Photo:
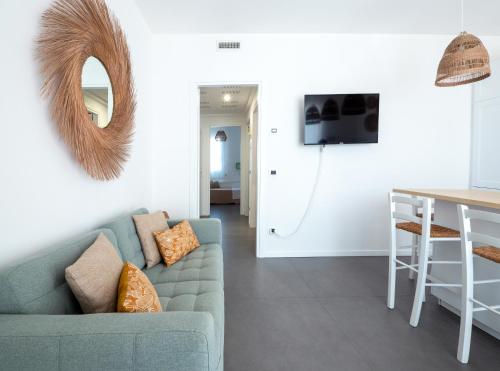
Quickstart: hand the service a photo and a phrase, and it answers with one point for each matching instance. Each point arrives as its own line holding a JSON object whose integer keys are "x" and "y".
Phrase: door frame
{"x": 195, "y": 147}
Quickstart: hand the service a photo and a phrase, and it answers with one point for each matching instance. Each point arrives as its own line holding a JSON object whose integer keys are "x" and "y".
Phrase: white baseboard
{"x": 322, "y": 253}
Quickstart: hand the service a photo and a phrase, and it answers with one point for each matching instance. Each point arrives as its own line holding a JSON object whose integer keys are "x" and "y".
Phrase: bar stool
{"x": 426, "y": 233}
{"x": 488, "y": 249}
{"x": 414, "y": 245}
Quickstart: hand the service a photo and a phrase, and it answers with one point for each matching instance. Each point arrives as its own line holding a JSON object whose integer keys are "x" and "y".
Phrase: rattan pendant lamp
{"x": 220, "y": 136}
{"x": 464, "y": 61}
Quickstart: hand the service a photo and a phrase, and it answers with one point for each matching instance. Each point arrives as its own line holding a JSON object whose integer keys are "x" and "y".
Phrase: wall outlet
{"x": 272, "y": 230}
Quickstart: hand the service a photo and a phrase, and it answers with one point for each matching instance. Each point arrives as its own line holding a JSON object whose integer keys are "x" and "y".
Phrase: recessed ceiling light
{"x": 227, "y": 98}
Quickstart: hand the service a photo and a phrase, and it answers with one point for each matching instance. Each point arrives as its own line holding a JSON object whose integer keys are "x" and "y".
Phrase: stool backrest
{"x": 468, "y": 236}
{"x": 416, "y": 203}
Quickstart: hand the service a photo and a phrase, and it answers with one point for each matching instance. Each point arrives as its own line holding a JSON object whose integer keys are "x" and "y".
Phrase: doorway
{"x": 228, "y": 124}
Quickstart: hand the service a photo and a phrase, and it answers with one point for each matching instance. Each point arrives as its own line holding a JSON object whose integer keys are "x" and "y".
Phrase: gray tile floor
{"x": 329, "y": 314}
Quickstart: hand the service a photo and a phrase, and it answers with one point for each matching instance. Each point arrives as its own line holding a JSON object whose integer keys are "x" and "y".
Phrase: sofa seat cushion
{"x": 176, "y": 289}
{"x": 202, "y": 264}
{"x": 197, "y": 296}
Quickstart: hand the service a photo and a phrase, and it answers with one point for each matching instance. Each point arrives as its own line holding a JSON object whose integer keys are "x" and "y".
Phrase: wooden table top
{"x": 471, "y": 197}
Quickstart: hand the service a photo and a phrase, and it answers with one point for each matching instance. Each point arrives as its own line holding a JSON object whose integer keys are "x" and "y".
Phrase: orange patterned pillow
{"x": 136, "y": 293}
{"x": 176, "y": 242}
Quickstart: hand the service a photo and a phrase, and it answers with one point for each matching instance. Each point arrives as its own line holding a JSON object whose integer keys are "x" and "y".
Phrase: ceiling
{"x": 212, "y": 99}
{"x": 321, "y": 16}
{"x": 101, "y": 94}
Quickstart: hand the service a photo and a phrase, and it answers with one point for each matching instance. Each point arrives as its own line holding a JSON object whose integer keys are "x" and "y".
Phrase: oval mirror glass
{"x": 97, "y": 92}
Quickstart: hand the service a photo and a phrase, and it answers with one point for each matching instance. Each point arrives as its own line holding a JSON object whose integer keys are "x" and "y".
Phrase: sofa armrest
{"x": 207, "y": 230}
{"x": 111, "y": 341}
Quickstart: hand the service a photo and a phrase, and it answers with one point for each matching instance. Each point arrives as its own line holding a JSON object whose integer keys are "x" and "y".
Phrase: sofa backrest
{"x": 38, "y": 286}
{"x": 128, "y": 240}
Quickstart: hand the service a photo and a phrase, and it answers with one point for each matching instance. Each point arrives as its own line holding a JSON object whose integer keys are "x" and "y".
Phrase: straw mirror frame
{"x": 71, "y": 32}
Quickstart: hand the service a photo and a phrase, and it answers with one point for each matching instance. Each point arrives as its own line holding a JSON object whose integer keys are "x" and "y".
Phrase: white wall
{"x": 424, "y": 138}
{"x": 485, "y": 172}
{"x": 254, "y": 176}
{"x": 45, "y": 195}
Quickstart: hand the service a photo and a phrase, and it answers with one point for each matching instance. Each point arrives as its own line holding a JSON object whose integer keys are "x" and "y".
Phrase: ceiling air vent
{"x": 228, "y": 45}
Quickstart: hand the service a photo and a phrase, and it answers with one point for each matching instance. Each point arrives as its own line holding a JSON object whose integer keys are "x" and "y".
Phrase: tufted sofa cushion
{"x": 196, "y": 296}
{"x": 204, "y": 263}
{"x": 128, "y": 240}
{"x": 176, "y": 289}
{"x": 38, "y": 284}
{"x": 194, "y": 284}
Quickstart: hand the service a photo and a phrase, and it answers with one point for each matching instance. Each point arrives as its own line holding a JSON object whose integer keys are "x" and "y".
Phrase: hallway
{"x": 238, "y": 240}
{"x": 301, "y": 314}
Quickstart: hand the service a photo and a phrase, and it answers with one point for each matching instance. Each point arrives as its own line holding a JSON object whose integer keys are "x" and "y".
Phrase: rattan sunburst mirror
{"x": 76, "y": 35}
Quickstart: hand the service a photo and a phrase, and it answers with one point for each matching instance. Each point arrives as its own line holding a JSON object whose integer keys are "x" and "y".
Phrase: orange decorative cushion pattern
{"x": 176, "y": 242}
{"x": 136, "y": 293}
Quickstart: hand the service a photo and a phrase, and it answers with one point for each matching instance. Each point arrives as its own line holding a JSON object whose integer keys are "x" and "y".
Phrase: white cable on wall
{"x": 309, "y": 203}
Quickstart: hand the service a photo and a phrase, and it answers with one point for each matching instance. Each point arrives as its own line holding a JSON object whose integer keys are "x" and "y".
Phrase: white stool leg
{"x": 413, "y": 260}
{"x": 423, "y": 260}
{"x": 414, "y": 246}
{"x": 391, "y": 289}
{"x": 428, "y": 257}
{"x": 467, "y": 289}
{"x": 417, "y": 259}
{"x": 465, "y": 329}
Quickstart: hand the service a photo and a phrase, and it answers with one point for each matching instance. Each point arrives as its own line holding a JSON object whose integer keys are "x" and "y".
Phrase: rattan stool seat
{"x": 488, "y": 252}
{"x": 437, "y": 231}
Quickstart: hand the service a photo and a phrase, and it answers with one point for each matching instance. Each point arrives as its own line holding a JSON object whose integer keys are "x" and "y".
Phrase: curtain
{"x": 216, "y": 159}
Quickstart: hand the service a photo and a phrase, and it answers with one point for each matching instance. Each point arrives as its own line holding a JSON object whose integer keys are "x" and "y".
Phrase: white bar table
{"x": 445, "y": 214}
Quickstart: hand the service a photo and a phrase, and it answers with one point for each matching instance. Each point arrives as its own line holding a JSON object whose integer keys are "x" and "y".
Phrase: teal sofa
{"x": 42, "y": 326}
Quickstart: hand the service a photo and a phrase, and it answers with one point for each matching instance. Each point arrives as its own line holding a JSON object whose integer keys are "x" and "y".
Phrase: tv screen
{"x": 341, "y": 118}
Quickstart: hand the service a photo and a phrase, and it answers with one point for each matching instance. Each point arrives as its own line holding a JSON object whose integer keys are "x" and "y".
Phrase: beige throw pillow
{"x": 146, "y": 225}
{"x": 94, "y": 277}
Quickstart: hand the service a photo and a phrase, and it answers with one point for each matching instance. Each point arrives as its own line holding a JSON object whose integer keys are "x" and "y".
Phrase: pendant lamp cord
{"x": 462, "y": 15}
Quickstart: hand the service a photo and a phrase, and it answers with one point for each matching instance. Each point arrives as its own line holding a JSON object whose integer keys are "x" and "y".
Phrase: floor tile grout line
{"x": 298, "y": 298}
{"x": 302, "y": 278}
{"x": 329, "y": 297}
{"x": 355, "y": 344}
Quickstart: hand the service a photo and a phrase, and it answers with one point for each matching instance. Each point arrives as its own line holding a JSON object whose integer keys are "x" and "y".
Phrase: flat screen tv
{"x": 341, "y": 118}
